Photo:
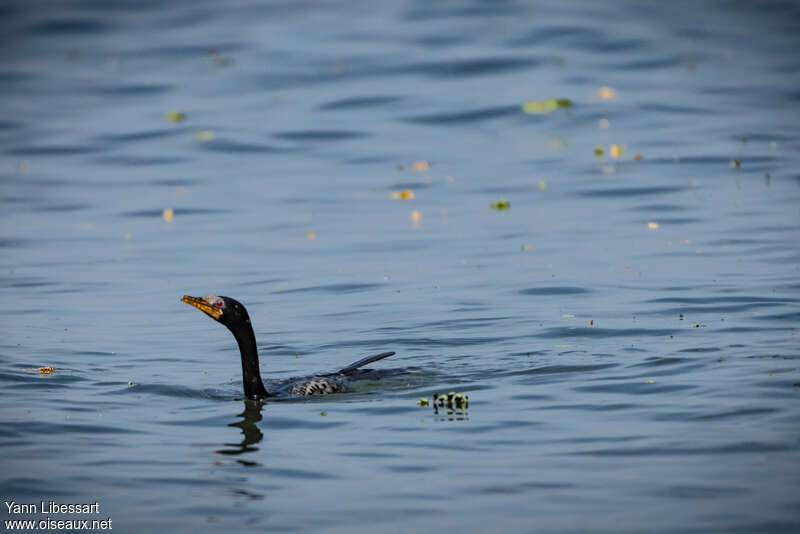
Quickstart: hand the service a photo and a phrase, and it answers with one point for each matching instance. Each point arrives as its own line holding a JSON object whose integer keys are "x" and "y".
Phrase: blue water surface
{"x": 626, "y": 331}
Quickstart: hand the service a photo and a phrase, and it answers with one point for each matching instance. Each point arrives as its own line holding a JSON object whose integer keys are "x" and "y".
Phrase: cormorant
{"x": 233, "y": 314}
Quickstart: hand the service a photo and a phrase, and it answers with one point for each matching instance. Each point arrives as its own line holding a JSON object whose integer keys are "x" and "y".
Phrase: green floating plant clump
{"x": 545, "y": 106}
{"x": 455, "y": 400}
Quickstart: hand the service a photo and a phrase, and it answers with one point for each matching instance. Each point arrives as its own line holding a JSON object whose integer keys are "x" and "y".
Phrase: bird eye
{"x": 219, "y": 303}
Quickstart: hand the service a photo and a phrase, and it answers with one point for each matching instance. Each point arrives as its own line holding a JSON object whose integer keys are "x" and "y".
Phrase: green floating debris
{"x": 545, "y": 106}
{"x": 323, "y": 414}
{"x": 204, "y": 135}
{"x": 501, "y": 204}
{"x": 598, "y": 151}
{"x": 451, "y": 400}
{"x": 175, "y": 116}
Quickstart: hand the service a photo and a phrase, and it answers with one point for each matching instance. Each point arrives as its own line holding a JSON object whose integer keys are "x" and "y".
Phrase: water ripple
{"x": 622, "y": 192}
{"x": 558, "y": 290}
{"x": 464, "y": 117}
{"x": 359, "y": 102}
{"x": 320, "y": 135}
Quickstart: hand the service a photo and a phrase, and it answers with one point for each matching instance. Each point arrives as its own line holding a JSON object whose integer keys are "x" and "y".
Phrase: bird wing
{"x": 361, "y": 363}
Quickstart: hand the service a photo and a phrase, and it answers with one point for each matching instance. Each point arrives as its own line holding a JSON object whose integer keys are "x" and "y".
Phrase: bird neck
{"x": 251, "y": 375}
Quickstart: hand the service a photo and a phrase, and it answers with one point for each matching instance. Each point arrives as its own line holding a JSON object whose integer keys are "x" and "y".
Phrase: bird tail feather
{"x": 361, "y": 363}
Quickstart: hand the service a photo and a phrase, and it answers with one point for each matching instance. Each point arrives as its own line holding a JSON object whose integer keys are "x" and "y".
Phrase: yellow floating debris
{"x": 652, "y": 226}
{"x": 568, "y": 315}
{"x": 416, "y": 217}
{"x": 501, "y": 204}
{"x": 128, "y": 237}
{"x": 421, "y": 166}
{"x": 541, "y": 185}
{"x": 311, "y": 235}
{"x": 651, "y": 381}
{"x": 423, "y": 401}
{"x": 591, "y": 322}
{"x": 168, "y": 214}
{"x": 616, "y": 150}
{"x": 603, "y": 124}
{"x": 175, "y": 116}
{"x": 606, "y": 93}
{"x": 204, "y": 135}
{"x": 545, "y": 106}
{"x": 526, "y": 247}
{"x": 735, "y": 163}
{"x": 46, "y": 370}
{"x": 405, "y": 194}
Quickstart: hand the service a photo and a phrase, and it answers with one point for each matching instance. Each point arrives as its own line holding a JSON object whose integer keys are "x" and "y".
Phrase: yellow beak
{"x": 203, "y": 306}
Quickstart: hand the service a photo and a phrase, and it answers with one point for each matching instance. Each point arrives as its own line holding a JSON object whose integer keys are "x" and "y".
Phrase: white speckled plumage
{"x": 317, "y": 385}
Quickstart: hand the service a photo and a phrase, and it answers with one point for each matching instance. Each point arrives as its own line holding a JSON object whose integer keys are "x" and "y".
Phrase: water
{"x": 623, "y": 376}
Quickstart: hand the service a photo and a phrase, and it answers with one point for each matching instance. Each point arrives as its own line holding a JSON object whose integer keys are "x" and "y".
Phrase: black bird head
{"x": 232, "y": 314}
{"x": 224, "y": 310}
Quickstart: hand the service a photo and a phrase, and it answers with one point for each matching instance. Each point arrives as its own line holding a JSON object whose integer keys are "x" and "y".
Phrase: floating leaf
{"x": 168, "y": 214}
{"x": 606, "y": 93}
{"x": 175, "y": 116}
{"x": 405, "y": 194}
{"x": 421, "y": 166}
{"x": 545, "y": 106}
{"x": 46, "y": 370}
{"x": 204, "y": 135}
{"x": 501, "y": 204}
{"x": 652, "y": 226}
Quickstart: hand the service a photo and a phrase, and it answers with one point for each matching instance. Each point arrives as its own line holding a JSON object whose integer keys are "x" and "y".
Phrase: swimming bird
{"x": 233, "y": 314}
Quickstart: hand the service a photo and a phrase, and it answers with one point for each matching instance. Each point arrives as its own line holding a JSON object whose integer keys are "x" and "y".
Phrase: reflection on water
{"x": 250, "y": 432}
